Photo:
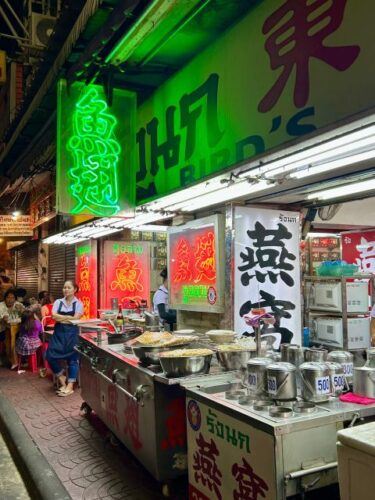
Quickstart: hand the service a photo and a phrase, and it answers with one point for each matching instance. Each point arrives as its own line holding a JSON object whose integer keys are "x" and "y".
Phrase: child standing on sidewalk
{"x": 28, "y": 340}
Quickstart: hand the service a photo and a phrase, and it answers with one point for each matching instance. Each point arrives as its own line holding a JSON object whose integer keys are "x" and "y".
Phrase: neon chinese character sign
{"x": 96, "y": 153}
{"x": 95, "y": 164}
{"x": 86, "y": 277}
{"x": 193, "y": 266}
{"x": 126, "y": 273}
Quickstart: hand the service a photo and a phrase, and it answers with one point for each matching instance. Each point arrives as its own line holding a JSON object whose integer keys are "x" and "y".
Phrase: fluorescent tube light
{"x": 357, "y": 187}
{"x": 224, "y": 194}
{"x": 340, "y": 162}
{"x": 322, "y": 235}
{"x": 151, "y": 227}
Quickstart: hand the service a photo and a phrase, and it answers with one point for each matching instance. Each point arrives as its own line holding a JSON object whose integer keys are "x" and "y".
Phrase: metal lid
{"x": 340, "y": 356}
{"x": 259, "y": 362}
{"x": 294, "y": 347}
{"x": 334, "y": 367}
{"x": 314, "y": 366}
{"x": 282, "y": 366}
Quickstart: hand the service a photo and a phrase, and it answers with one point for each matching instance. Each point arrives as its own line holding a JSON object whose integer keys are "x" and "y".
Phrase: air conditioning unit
{"x": 41, "y": 28}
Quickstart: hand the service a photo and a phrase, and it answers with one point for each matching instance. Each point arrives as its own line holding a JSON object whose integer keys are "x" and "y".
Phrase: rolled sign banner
{"x": 95, "y": 150}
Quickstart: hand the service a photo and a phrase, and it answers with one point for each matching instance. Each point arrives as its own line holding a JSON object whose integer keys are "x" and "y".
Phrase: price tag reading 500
{"x": 322, "y": 385}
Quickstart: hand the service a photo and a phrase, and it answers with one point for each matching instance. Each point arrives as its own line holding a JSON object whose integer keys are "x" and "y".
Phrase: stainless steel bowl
{"x": 149, "y": 355}
{"x": 233, "y": 360}
{"x": 184, "y": 366}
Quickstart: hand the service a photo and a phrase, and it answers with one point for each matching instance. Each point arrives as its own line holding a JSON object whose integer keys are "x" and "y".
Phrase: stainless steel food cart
{"x": 143, "y": 409}
{"x": 234, "y": 451}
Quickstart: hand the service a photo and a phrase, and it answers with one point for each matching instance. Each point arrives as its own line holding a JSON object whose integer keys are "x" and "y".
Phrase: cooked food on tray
{"x": 153, "y": 338}
{"x": 186, "y": 353}
{"x": 234, "y": 347}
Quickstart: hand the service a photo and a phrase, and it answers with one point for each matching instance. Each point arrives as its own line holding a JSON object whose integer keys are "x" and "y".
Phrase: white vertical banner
{"x": 267, "y": 270}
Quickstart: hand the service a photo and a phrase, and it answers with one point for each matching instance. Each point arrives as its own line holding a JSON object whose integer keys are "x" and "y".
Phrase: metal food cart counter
{"x": 234, "y": 450}
{"x": 144, "y": 409}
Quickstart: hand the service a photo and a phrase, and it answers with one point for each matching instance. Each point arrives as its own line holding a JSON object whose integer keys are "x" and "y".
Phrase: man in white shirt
{"x": 161, "y": 301}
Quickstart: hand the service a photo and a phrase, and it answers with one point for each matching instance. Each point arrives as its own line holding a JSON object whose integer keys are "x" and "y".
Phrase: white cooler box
{"x": 329, "y": 331}
{"x": 356, "y": 462}
{"x": 327, "y": 297}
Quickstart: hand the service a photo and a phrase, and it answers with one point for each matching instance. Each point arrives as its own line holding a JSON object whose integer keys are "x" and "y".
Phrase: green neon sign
{"x": 95, "y": 152}
{"x": 82, "y": 250}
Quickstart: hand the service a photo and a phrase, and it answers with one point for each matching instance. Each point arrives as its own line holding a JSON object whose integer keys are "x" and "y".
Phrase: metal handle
{"x": 121, "y": 389}
{"x": 306, "y": 472}
{"x": 140, "y": 391}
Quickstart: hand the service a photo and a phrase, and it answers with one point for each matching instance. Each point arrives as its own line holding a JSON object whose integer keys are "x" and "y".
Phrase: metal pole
{"x": 18, "y": 38}
{"x": 16, "y": 17}
{"x": 313, "y": 470}
{"x": 9, "y": 24}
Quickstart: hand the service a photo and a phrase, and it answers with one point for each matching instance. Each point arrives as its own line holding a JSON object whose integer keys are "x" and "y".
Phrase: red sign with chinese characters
{"x": 126, "y": 272}
{"x": 87, "y": 277}
{"x": 192, "y": 266}
{"x": 359, "y": 248}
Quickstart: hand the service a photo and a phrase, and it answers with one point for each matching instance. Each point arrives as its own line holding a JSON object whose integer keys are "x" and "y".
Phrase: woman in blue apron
{"x": 65, "y": 338}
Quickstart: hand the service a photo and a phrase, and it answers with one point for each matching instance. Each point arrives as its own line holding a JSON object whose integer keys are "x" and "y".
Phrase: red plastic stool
{"x": 32, "y": 362}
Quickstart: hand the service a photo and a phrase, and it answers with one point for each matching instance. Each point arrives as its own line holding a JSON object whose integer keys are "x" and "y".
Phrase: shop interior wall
{"x": 360, "y": 213}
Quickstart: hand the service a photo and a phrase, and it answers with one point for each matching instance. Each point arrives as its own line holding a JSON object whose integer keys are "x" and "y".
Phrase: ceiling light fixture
{"x": 338, "y": 192}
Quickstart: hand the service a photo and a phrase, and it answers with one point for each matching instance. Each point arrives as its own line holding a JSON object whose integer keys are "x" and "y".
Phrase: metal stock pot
{"x": 337, "y": 377}
{"x": 345, "y": 359}
{"x": 281, "y": 381}
{"x": 364, "y": 377}
{"x": 256, "y": 376}
{"x": 315, "y": 355}
{"x": 316, "y": 383}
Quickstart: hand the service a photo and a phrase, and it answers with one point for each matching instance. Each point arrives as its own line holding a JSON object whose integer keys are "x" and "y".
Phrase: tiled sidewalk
{"x": 77, "y": 449}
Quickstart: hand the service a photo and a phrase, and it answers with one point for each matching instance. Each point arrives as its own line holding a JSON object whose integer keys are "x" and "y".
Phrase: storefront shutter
{"x": 61, "y": 267}
{"x": 27, "y": 268}
{"x": 70, "y": 262}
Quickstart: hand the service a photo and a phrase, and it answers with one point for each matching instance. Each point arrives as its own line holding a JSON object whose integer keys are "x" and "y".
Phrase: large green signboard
{"x": 95, "y": 150}
{"x": 288, "y": 68}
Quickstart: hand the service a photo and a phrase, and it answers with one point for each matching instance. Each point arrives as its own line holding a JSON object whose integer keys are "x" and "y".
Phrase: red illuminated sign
{"x": 126, "y": 272}
{"x": 359, "y": 248}
{"x": 87, "y": 277}
{"x": 192, "y": 271}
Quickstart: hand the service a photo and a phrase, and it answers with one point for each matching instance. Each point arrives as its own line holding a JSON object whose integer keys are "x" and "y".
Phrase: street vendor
{"x": 372, "y": 331}
{"x": 161, "y": 301}
{"x": 65, "y": 338}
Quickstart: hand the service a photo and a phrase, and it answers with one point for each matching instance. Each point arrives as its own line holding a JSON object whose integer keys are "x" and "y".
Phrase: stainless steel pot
{"x": 284, "y": 351}
{"x": 370, "y": 357}
{"x": 151, "y": 319}
{"x": 364, "y": 381}
{"x": 149, "y": 355}
{"x": 316, "y": 383}
{"x": 256, "y": 376}
{"x": 337, "y": 377}
{"x": 184, "y": 366}
{"x": 281, "y": 381}
{"x": 295, "y": 355}
{"x": 233, "y": 360}
{"x": 345, "y": 359}
{"x": 316, "y": 355}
